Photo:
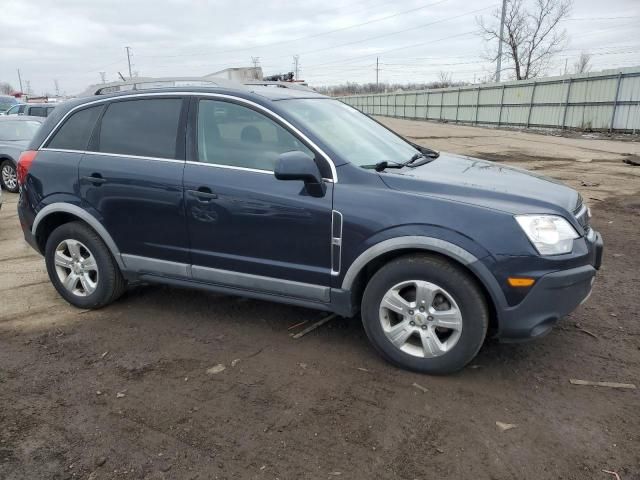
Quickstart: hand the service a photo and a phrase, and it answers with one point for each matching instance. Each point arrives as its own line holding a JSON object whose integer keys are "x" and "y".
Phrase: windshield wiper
{"x": 381, "y": 166}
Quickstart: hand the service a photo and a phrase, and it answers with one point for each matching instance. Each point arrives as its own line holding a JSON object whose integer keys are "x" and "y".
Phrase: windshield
{"x": 18, "y": 130}
{"x": 351, "y": 134}
{"x": 6, "y": 103}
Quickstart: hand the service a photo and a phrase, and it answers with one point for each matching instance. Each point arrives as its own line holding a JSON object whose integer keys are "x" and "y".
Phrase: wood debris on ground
{"x": 216, "y": 369}
{"x": 420, "y": 387}
{"x": 505, "y": 426}
{"x": 576, "y": 381}
{"x": 612, "y": 473}
{"x": 311, "y": 328}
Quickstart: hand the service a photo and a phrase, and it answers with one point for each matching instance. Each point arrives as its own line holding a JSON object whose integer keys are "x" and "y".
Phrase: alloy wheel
{"x": 9, "y": 177}
{"x": 76, "y": 267}
{"x": 420, "y": 318}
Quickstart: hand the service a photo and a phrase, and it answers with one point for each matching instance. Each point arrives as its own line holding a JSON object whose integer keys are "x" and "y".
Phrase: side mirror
{"x": 298, "y": 165}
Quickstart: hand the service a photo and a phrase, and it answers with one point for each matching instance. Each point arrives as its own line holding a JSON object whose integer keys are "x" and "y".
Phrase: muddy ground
{"x": 124, "y": 393}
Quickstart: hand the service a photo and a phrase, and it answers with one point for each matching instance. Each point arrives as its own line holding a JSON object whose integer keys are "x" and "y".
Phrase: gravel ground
{"x": 124, "y": 392}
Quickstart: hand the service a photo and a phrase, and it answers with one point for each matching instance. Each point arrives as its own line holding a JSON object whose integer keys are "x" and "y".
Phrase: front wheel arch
{"x": 490, "y": 291}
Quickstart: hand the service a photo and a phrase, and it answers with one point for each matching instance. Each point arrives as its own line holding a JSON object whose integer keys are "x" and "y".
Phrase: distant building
{"x": 237, "y": 74}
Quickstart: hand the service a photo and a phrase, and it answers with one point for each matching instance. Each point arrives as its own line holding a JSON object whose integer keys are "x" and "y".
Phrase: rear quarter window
{"x": 38, "y": 111}
{"x": 145, "y": 128}
{"x": 75, "y": 132}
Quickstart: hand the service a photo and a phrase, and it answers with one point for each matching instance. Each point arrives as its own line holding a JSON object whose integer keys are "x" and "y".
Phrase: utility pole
{"x": 20, "y": 81}
{"x": 55, "y": 83}
{"x": 128, "y": 49}
{"x": 377, "y": 70}
{"x": 103, "y": 77}
{"x": 27, "y": 85}
{"x": 296, "y": 59}
{"x": 256, "y": 66}
{"x": 499, "y": 63}
{"x": 566, "y": 60}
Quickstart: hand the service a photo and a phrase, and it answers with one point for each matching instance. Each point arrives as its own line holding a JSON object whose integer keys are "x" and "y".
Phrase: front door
{"x": 246, "y": 228}
{"x": 132, "y": 177}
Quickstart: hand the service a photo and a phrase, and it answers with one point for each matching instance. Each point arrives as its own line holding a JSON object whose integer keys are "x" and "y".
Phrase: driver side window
{"x": 231, "y": 134}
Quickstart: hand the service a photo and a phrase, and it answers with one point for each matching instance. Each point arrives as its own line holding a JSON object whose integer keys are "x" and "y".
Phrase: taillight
{"x": 24, "y": 164}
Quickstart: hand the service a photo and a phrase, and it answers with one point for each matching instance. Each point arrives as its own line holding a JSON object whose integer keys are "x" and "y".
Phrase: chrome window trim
{"x": 120, "y": 155}
{"x": 137, "y": 157}
{"x": 253, "y": 104}
{"x": 230, "y": 167}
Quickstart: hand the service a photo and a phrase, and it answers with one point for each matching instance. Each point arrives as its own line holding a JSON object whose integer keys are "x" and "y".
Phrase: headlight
{"x": 550, "y": 234}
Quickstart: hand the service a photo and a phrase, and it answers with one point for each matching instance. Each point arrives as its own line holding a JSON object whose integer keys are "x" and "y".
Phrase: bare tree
{"x": 6, "y": 88}
{"x": 531, "y": 36}
{"x": 583, "y": 64}
{"x": 444, "y": 80}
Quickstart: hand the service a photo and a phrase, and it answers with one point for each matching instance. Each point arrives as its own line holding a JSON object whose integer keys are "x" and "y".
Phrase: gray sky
{"x": 73, "y": 40}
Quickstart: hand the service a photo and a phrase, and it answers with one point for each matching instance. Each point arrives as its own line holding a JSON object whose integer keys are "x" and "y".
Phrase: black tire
{"x": 450, "y": 277}
{"x": 110, "y": 283}
{"x": 11, "y": 165}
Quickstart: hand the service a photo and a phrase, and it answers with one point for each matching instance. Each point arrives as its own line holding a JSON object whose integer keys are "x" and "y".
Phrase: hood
{"x": 488, "y": 184}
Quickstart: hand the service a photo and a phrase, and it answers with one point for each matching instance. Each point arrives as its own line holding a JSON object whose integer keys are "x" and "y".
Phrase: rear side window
{"x": 38, "y": 112}
{"x": 146, "y": 128}
{"x": 76, "y": 131}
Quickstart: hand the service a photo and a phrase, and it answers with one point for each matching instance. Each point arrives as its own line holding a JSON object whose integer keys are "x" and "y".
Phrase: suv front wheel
{"x": 425, "y": 313}
{"x": 81, "y": 267}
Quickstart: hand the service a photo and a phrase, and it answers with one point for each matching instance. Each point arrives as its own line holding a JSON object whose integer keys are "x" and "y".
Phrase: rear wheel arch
{"x": 370, "y": 261}
{"x": 56, "y": 214}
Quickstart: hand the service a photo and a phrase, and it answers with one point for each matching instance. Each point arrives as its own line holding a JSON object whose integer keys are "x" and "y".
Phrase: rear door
{"x": 132, "y": 178}
{"x": 246, "y": 228}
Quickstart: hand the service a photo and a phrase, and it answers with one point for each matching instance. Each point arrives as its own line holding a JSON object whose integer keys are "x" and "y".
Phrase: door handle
{"x": 96, "y": 179}
{"x": 203, "y": 195}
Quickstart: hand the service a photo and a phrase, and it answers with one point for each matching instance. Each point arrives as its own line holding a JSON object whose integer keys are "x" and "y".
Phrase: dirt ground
{"x": 124, "y": 393}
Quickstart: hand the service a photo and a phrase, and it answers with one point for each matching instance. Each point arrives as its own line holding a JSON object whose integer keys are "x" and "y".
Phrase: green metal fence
{"x": 602, "y": 101}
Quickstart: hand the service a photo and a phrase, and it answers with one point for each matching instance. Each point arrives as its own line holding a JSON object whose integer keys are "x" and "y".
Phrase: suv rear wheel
{"x": 81, "y": 267}
{"x": 425, "y": 313}
{"x": 8, "y": 176}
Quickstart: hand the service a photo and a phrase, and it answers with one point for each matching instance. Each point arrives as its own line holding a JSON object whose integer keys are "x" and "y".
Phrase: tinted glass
{"x": 14, "y": 110}
{"x": 17, "y": 130}
{"x": 146, "y": 128}
{"x": 230, "y": 134}
{"x": 38, "y": 111}
{"x": 6, "y": 103}
{"x": 76, "y": 130}
{"x": 353, "y": 135}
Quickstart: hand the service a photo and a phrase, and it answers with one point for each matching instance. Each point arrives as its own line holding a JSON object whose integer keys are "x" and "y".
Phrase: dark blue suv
{"x": 287, "y": 195}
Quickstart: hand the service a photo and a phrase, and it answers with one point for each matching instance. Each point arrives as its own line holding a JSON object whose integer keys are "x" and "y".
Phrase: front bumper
{"x": 554, "y": 296}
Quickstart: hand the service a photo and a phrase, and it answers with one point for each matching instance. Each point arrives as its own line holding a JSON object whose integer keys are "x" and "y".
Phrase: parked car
{"x": 291, "y": 196}
{"x": 17, "y": 109}
{"x": 15, "y": 134}
{"x": 32, "y": 109}
{"x": 6, "y": 102}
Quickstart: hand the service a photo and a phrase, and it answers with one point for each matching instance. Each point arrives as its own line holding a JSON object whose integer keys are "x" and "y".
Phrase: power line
{"x": 316, "y": 35}
{"x": 397, "y": 32}
{"x": 404, "y": 47}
